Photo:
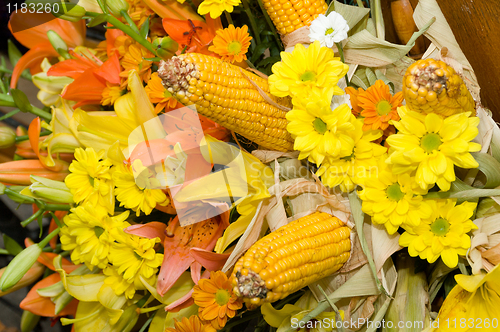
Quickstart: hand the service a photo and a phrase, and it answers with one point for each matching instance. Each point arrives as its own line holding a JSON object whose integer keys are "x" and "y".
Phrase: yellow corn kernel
{"x": 294, "y": 256}
{"x": 224, "y": 95}
{"x": 290, "y": 15}
{"x": 431, "y": 86}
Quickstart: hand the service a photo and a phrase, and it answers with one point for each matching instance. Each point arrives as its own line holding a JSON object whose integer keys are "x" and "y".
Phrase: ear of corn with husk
{"x": 229, "y": 96}
{"x": 291, "y": 258}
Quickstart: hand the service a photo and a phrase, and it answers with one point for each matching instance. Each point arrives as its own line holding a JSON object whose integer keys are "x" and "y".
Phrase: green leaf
{"x": 370, "y": 76}
{"x": 99, "y": 19}
{"x": 269, "y": 60}
{"x": 145, "y": 29}
{"x": 14, "y": 53}
{"x": 490, "y": 168}
{"x": 259, "y": 50}
{"x": 21, "y": 100}
{"x": 11, "y": 245}
{"x": 386, "y": 81}
{"x": 11, "y": 113}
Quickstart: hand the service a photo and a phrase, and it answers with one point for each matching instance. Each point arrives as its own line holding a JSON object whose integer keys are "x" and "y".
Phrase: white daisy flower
{"x": 328, "y": 29}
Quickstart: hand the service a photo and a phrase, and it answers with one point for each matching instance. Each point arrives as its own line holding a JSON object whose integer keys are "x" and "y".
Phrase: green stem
{"x": 341, "y": 53}
{"x": 271, "y": 26}
{"x": 253, "y": 24}
{"x": 360, "y": 3}
{"x": 131, "y": 23}
{"x": 26, "y": 137}
{"x": 12, "y": 193}
{"x": 228, "y": 18}
{"x": 33, "y": 217}
{"x": 127, "y": 30}
{"x": 49, "y": 237}
{"x": 41, "y": 113}
{"x": 57, "y": 207}
{"x": 250, "y": 64}
{"x": 103, "y": 6}
{"x": 11, "y": 113}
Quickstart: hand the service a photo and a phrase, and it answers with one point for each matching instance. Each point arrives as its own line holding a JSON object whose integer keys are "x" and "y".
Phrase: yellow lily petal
{"x": 275, "y": 317}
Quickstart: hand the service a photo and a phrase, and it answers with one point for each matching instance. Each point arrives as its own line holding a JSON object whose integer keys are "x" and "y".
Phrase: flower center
{"x": 440, "y": 227}
{"x": 234, "y": 47}
{"x": 320, "y": 126}
{"x": 430, "y": 142}
{"x": 222, "y": 297}
{"x": 394, "y": 192}
{"x": 329, "y": 31}
{"x": 98, "y": 231}
{"x": 308, "y": 76}
{"x": 383, "y": 107}
{"x": 91, "y": 180}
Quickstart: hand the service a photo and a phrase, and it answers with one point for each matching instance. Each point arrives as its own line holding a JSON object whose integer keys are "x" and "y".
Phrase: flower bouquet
{"x": 339, "y": 184}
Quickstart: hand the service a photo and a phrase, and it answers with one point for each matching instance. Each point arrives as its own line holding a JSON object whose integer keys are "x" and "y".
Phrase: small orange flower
{"x": 111, "y": 93}
{"x": 216, "y": 299}
{"x": 135, "y": 59}
{"x": 232, "y": 43}
{"x": 193, "y": 324}
{"x": 159, "y": 95}
{"x": 379, "y": 106}
{"x": 353, "y": 94}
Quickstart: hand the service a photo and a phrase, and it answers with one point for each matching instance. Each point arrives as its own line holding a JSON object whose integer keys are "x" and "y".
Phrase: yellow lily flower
{"x": 50, "y": 87}
{"x": 474, "y": 303}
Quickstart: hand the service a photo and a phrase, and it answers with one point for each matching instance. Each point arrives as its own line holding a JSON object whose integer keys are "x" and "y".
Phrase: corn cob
{"x": 294, "y": 256}
{"x": 290, "y": 15}
{"x": 431, "y": 86}
{"x": 221, "y": 92}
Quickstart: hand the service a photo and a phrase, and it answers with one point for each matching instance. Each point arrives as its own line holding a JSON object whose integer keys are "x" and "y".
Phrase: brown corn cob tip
{"x": 431, "y": 86}
{"x": 229, "y": 96}
{"x": 294, "y": 256}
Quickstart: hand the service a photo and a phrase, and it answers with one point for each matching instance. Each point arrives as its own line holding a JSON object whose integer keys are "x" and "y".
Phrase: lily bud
{"x": 58, "y": 43}
{"x": 7, "y": 137}
{"x": 116, "y": 6}
{"x": 165, "y": 47}
{"x": 49, "y": 190}
{"x": 69, "y": 12}
{"x": 18, "y": 269}
{"x": 28, "y": 321}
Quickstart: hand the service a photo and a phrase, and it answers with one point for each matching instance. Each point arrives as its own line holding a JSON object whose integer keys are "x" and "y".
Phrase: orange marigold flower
{"x": 231, "y": 43}
{"x": 111, "y": 93}
{"x": 216, "y": 299}
{"x": 379, "y": 106}
{"x": 193, "y": 324}
{"x": 353, "y": 94}
{"x": 159, "y": 95}
{"x": 134, "y": 59}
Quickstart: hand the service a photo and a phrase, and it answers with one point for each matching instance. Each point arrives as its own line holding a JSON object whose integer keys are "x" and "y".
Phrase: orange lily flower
{"x": 43, "y": 306}
{"x": 196, "y": 35}
{"x": 18, "y": 172}
{"x": 34, "y": 138}
{"x": 30, "y": 29}
{"x": 90, "y": 77}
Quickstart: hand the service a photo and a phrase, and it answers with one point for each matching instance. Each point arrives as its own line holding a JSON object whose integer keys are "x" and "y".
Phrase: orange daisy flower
{"x": 353, "y": 94}
{"x": 379, "y": 106}
{"x": 231, "y": 43}
{"x": 134, "y": 59}
{"x": 193, "y": 324}
{"x": 216, "y": 299}
{"x": 159, "y": 95}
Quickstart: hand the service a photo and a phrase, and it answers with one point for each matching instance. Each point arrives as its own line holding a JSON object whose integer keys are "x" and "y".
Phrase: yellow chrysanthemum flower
{"x": 443, "y": 234}
{"x": 216, "y": 7}
{"x": 118, "y": 283}
{"x": 89, "y": 233}
{"x": 319, "y": 131}
{"x": 90, "y": 179}
{"x": 111, "y": 93}
{"x": 133, "y": 188}
{"x": 231, "y": 43}
{"x": 358, "y": 164}
{"x": 216, "y": 299}
{"x": 304, "y": 70}
{"x": 393, "y": 200}
{"x": 432, "y": 145}
{"x": 134, "y": 257}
